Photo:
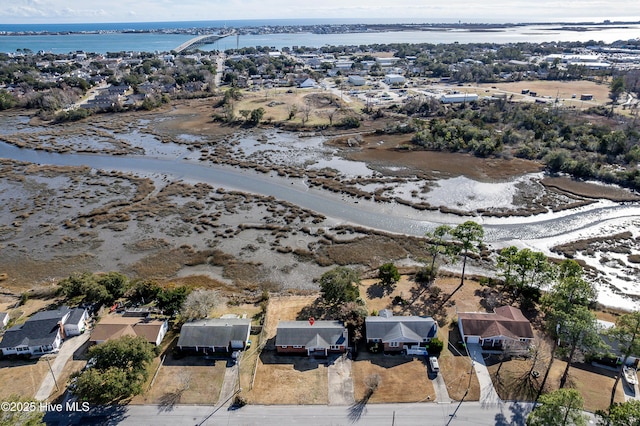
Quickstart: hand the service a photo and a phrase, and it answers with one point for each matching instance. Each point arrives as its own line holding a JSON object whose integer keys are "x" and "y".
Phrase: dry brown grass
{"x": 283, "y": 379}
{"x": 395, "y": 373}
{"x": 289, "y": 380}
{"x": 63, "y": 379}
{"x": 402, "y": 289}
{"x": 562, "y": 89}
{"x": 284, "y": 308}
{"x": 22, "y": 377}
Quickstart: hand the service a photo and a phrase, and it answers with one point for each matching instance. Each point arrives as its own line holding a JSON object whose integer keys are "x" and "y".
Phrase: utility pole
{"x": 52, "y": 375}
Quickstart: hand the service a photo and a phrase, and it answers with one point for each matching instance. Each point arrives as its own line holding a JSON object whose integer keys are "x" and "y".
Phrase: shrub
{"x": 435, "y": 346}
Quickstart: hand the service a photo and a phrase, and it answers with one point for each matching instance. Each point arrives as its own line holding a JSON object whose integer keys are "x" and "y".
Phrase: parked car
{"x": 433, "y": 363}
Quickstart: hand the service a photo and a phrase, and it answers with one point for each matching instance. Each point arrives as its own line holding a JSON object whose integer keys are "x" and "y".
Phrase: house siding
{"x": 290, "y": 350}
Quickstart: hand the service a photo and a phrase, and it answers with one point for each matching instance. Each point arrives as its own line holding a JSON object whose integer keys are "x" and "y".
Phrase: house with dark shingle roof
{"x": 76, "y": 323}
{"x": 400, "y": 333}
{"x": 41, "y": 334}
{"x": 215, "y": 335}
{"x": 312, "y": 338}
{"x": 505, "y": 326}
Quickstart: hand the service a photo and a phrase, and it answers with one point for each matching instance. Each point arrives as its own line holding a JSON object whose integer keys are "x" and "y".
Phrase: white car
{"x": 433, "y": 363}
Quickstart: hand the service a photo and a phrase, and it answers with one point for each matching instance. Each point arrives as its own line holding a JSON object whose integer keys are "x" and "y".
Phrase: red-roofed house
{"x": 505, "y": 326}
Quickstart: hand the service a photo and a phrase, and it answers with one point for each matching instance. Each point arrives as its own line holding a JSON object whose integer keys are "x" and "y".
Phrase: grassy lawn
{"x": 289, "y": 380}
{"x": 283, "y": 379}
{"x": 397, "y": 372}
{"x": 189, "y": 380}
{"x": 25, "y": 377}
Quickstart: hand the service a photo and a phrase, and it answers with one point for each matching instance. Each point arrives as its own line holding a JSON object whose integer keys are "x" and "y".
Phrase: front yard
{"x": 402, "y": 378}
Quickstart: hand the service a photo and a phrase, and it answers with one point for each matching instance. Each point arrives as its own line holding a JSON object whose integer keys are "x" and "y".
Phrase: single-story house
{"x": 313, "y": 338}
{"x": 458, "y": 98}
{"x": 41, "y": 334}
{"x": 76, "y": 323}
{"x": 308, "y": 83}
{"x": 506, "y": 326}
{"x": 215, "y": 335}
{"x": 400, "y": 333}
{"x": 113, "y": 327}
{"x": 4, "y": 319}
{"x": 613, "y": 354}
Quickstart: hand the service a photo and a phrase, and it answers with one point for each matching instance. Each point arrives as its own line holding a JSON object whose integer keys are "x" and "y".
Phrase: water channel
{"x": 389, "y": 217}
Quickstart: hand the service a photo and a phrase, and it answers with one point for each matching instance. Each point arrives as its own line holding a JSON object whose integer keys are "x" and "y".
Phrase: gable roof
{"x": 400, "y": 328}
{"x": 41, "y": 329}
{"x": 504, "y": 321}
{"x": 322, "y": 334}
{"x": 76, "y": 315}
{"x": 117, "y": 326}
{"x": 214, "y": 332}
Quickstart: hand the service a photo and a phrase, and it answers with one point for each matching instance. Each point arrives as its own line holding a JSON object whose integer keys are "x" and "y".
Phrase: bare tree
{"x": 199, "y": 303}
{"x": 306, "y": 112}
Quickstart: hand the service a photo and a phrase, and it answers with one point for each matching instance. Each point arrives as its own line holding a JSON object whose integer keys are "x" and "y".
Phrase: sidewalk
{"x": 488, "y": 394}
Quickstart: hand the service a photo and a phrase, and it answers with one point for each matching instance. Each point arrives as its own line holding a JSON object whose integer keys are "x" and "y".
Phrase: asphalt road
{"x": 426, "y": 414}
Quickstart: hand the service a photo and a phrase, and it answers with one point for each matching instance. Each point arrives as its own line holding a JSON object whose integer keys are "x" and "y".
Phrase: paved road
{"x": 57, "y": 365}
{"x": 425, "y": 414}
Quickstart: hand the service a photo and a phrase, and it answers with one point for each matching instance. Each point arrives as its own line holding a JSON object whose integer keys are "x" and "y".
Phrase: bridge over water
{"x": 201, "y": 41}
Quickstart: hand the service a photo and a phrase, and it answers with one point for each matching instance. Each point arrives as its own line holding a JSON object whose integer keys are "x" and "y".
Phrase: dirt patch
{"x": 563, "y": 90}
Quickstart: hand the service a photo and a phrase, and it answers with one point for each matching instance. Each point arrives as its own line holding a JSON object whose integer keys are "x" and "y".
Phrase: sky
{"x": 491, "y": 11}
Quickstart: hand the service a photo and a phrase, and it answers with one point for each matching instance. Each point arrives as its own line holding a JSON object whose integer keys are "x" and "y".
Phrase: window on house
{"x": 297, "y": 346}
{"x": 394, "y": 344}
{"x": 335, "y": 347}
{"x": 284, "y": 346}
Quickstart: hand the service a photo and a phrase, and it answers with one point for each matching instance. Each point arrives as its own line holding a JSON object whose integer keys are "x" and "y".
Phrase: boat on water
{"x": 630, "y": 375}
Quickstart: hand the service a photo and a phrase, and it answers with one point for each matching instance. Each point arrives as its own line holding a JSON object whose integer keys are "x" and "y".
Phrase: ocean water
{"x": 112, "y": 39}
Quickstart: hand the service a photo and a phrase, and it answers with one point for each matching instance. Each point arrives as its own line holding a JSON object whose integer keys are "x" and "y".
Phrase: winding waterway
{"x": 389, "y": 217}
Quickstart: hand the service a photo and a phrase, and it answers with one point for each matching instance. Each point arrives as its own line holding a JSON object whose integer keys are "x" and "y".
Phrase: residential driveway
{"x": 229, "y": 385}
{"x": 630, "y": 393}
{"x": 340, "y": 382}
{"x": 440, "y": 388}
{"x": 57, "y": 364}
{"x": 488, "y": 394}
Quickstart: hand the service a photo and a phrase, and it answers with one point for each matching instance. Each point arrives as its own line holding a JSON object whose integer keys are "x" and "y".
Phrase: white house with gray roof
{"x": 400, "y": 333}
{"x": 313, "y": 338}
{"x": 214, "y": 335}
{"x": 42, "y": 333}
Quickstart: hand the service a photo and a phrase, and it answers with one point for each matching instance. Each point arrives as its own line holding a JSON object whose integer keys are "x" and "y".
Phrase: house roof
{"x": 322, "y": 334}
{"x": 117, "y": 326}
{"x": 56, "y": 314}
{"x": 214, "y": 332}
{"x": 34, "y": 332}
{"x": 400, "y": 328}
{"x": 504, "y": 321}
{"x": 76, "y": 315}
